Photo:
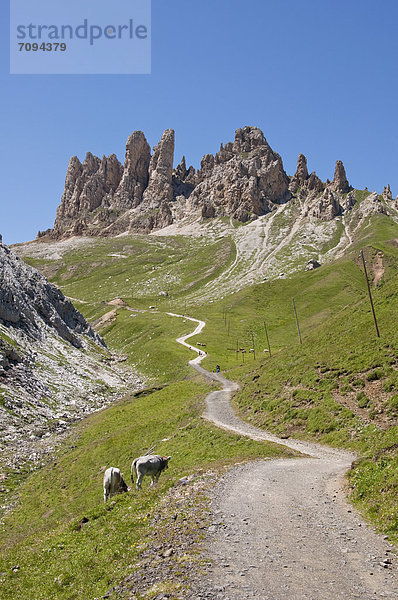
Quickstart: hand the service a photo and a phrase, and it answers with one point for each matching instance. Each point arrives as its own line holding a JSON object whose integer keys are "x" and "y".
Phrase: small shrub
{"x": 388, "y": 386}
{"x": 345, "y": 389}
{"x": 393, "y": 404}
{"x": 358, "y": 382}
{"x": 362, "y": 400}
{"x": 375, "y": 375}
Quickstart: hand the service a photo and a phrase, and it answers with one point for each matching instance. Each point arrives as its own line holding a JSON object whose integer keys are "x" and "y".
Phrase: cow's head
{"x": 166, "y": 461}
{"x": 123, "y": 486}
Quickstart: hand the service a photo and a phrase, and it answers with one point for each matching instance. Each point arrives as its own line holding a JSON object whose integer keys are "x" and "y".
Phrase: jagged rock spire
{"x": 301, "y": 171}
{"x": 161, "y": 170}
{"x": 340, "y": 182}
{"x": 181, "y": 169}
{"x": 301, "y": 174}
{"x": 135, "y": 173}
{"x": 387, "y": 195}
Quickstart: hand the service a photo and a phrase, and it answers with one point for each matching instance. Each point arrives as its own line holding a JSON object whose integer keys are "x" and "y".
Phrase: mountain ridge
{"x": 244, "y": 180}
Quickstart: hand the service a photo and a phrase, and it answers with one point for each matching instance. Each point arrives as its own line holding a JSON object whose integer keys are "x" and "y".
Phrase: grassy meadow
{"x": 339, "y": 387}
{"x": 64, "y": 540}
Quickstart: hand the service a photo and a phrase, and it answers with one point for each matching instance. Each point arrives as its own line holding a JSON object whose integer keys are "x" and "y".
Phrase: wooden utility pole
{"x": 266, "y": 333}
{"x": 237, "y": 349}
{"x": 298, "y": 326}
{"x": 370, "y": 294}
{"x": 254, "y": 350}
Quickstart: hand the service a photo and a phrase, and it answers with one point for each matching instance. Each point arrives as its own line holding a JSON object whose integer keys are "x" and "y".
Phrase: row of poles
{"x": 253, "y": 350}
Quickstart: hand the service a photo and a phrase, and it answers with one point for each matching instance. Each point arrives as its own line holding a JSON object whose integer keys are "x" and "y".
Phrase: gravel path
{"x": 282, "y": 529}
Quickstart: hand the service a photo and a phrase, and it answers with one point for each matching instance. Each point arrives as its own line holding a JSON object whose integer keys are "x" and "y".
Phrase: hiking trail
{"x": 282, "y": 529}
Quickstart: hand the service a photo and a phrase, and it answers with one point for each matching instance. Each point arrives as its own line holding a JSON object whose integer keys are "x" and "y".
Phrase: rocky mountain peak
{"x": 184, "y": 180}
{"x": 163, "y": 157}
{"x": 314, "y": 184}
{"x": 154, "y": 212}
{"x": 249, "y": 139}
{"x": 340, "y": 182}
{"x": 87, "y": 185}
{"x": 301, "y": 174}
{"x": 91, "y": 164}
{"x": 387, "y": 194}
{"x": 181, "y": 169}
{"x": 245, "y": 179}
{"x": 135, "y": 176}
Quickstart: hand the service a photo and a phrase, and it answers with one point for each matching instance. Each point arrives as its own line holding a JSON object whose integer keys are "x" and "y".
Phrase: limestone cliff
{"x": 244, "y": 180}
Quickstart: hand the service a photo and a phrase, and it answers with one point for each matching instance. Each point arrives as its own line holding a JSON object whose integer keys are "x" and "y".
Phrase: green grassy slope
{"x": 138, "y": 268}
{"x": 340, "y": 387}
{"x": 57, "y": 556}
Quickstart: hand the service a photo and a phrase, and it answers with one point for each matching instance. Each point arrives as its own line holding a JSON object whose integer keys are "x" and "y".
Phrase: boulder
{"x": 312, "y": 264}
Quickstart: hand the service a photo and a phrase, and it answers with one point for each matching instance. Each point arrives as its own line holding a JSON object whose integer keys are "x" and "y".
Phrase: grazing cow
{"x": 113, "y": 483}
{"x": 152, "y": 465}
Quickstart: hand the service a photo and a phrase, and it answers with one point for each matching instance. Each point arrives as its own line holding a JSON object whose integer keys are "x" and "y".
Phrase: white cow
{"x": 113, "y": 483}
{"x": 152, "y": 465}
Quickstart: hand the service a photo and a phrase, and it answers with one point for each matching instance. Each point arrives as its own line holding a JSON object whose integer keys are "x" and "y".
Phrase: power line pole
{"x": 266, "y": 333}
{"x": 254, "y": 350}
{"x": 370, "y": 294}
{"x": 298, "y": 326}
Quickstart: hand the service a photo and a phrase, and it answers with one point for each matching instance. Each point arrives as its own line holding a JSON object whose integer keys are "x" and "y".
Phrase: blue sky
{"x": 317, "y": 76}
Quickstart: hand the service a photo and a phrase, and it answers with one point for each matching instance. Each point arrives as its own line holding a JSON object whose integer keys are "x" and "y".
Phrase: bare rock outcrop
{"x": 160, "y": 187}
{"x": 348, "y": 202}
{"x": 8, "y": 356}
{"x": 327, "y": 207}
{"x": 387, "y": 195}
{"x": 245, "y": 179}
{"x": 135, "y": 174}
{"x": 340, "y": 183}
{"x": 28, "y": 301}
{"x": 155, "y": 210}
{"x": 301, "y": 174}
{"x": 371, "y": 205}
{"x": 314, "y": 183}
{"x": 184, "y": 180}
{"x": 54, "y": 368}
{"x": 87, "y": 184}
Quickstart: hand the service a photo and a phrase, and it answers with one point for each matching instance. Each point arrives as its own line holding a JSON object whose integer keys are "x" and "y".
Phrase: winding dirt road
{"x": 282, "y": 529}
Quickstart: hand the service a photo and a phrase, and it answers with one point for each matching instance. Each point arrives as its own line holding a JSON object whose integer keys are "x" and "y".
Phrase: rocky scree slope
{"x": 53, "y": 366}
{"x": 244, "y": 181}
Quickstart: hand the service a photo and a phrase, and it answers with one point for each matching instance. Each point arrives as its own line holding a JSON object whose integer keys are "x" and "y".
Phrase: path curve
{"x": 282, "y": 529}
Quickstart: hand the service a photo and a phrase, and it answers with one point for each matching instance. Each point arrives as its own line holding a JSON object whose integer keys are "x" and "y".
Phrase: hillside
{"x": 48, "y": 351}
{"x": 339, "y": 387}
